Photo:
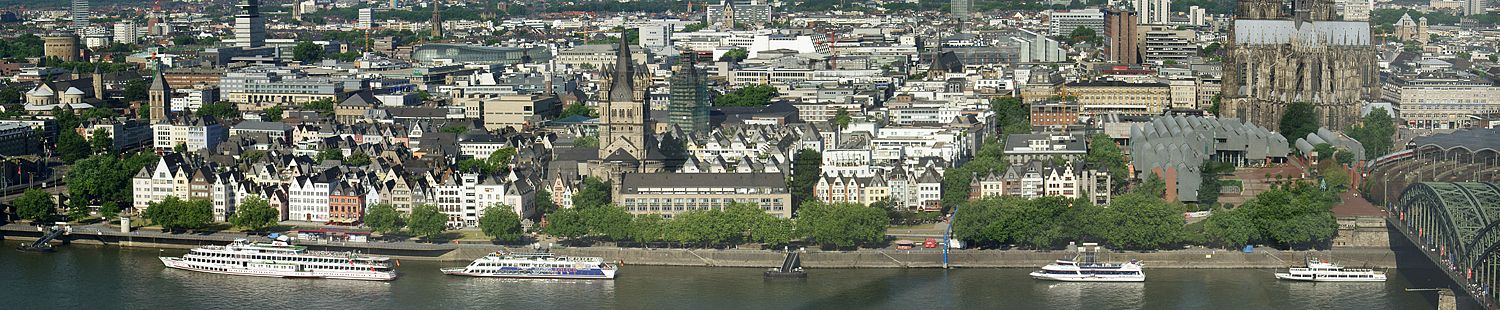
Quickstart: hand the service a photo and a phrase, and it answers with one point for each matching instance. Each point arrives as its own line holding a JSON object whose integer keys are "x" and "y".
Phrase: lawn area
{"x": 470, "y": 234}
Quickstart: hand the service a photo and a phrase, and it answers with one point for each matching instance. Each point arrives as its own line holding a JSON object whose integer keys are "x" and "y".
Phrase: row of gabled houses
{"x": 302, "y": 188}
{"x": 1038, "y": 178}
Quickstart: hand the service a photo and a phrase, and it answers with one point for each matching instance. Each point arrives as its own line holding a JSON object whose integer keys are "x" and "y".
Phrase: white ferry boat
{"x": 536, "y": 266}
{"x": 1085, "y": 268}
{"x": 281, "y": 259}
{"x": 1321, "y": 271}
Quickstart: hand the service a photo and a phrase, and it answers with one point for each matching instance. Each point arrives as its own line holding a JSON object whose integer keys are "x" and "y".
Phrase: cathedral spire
{"x": 621, "y": 83}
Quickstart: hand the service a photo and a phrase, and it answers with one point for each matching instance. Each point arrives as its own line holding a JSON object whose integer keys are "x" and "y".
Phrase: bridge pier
{"x": 1447, "y": 300}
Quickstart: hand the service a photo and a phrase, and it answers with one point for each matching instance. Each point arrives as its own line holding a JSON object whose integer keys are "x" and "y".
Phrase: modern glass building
{"x": 687, "y": 107}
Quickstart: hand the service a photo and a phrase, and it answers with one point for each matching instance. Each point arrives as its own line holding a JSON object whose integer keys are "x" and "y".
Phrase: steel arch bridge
{"x": 1460, "y": 223}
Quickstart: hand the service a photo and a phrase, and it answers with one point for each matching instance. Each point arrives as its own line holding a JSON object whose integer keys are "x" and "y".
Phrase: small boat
{"x": 1084, "y": 267}
{"x": 1322, "y": 271}
{"x": 283, "y": 260}
{"x": 536, "y": 266}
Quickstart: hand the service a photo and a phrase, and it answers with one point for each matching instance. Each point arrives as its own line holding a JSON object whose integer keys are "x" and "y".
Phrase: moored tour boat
{"x": 1322, "y": 271}
{"x": 281, "y": 259}
{"x": 1084, "y": 268}
{"x": 536, "y": 266}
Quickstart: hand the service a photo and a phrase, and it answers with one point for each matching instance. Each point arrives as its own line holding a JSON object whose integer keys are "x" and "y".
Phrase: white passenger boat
{"x": 536, "y": 266}
{"x": 1322, "y": 271}
{"x": 1084, "y": 267}
{"x": 281, "y": 259}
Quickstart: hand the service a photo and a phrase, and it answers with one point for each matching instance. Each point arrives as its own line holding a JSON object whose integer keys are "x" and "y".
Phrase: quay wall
{"x": 1376, "y": 257}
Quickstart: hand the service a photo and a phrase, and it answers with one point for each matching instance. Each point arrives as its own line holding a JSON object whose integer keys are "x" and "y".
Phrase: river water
{"x": 91, "y": 277}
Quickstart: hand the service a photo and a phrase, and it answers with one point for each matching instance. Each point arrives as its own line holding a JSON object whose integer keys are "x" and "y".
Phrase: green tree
{"x": 501, "y": 223}
{"x": 1213, "y": 107}
{"x": 427, "y": 222}
{"x": 219, "y": 110}
{"x": 592, "y": 193}
{"x": 1295, "y": 215}
{"x": 175, "y": 214}
{"x": 499, "y": 160}
{"x": 1230, "y": 228}
{"x": 842, "y": 224}
{"x": 648, "y": 228}
{"x": 1011, "y": 115}
{"x": 323, "y": 106}
{"x": 957, "y": 181}
{"x": 180, "y": 148}
{"x": 1139, "y": 221}
{"x": 330, "y": 154}
{"x": 1335, "y": 177}
{"x": 587, "y": 142}
{"x": 1152, "y": 186}
{"x": 71, "y": 147}
{"x": 1344, "y": 157}
{"x": 104, "y": 179}
{"x": 1105, "y": 154}
{"x": 566, "y": 224}
{"x": 254, "y": 214}
{"x": 35, "y": 205}
{"x": 183, "y": 40}
{"x": 272, "y": 114}
{"x": 842, "y": 118}
{"x": 1299, "y": 120}
{"x": 307, "y": 52}
{"x": 102, "y": 143}
{"x": 474, "y": 165}
{"x": 1376, "y": 133}
{"x": 136, "y": 90}
{"x": 1084, "y": 35}
{"x": 577, "y": 108}
{"x": 357, "y": 159}
{"x": 748, "y": 96}
{"x": 1208, "y": 191}
{"x": 544, "y": 203}
{"x": 455, "y": 129}
{"x": 383, "y": 218}
{"x": 608, "y": 222}
{"x": 1325, "y": 151}
{"x": 703, "y": 227}
{"x": 735, "y": 55}
{"x": 806, "y": 167}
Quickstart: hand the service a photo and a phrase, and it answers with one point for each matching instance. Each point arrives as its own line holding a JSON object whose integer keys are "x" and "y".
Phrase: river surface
{"x": 93, "y": 277}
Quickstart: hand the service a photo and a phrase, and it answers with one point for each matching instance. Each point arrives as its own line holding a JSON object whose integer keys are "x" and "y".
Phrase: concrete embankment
{"x": 1208, "y": 259}
{"x": 885, "y": 258}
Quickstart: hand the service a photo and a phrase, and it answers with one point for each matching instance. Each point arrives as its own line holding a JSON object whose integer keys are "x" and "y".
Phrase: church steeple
{"x": 160, "y": 95}
{"x": 622, "y": 80}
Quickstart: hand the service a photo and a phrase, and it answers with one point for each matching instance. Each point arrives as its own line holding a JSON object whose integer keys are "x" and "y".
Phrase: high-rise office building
{"x": 79, "y": 11}
{"x": 1475, "y": 7}
{"x": 1062, "y": 22}
{"x": 126, "y": 32}
{"x": 249, "y": 27}
{"x": 366, "y": 18}
{"x": 961, "y": 9}
{"x": 688, "y": 101}
{"x": 1355, "y": 9}
{"x": 1154, "y": 12}
{"x": 1197, "y": 16}
{"x": 1120, "y": 37}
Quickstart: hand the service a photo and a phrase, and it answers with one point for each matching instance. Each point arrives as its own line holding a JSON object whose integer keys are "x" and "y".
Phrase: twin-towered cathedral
{"x": 1275, "y": 58}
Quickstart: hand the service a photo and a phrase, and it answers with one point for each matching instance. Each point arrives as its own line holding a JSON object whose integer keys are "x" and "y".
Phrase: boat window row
{"x": 277, "y": 257}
